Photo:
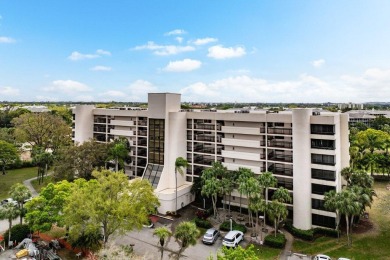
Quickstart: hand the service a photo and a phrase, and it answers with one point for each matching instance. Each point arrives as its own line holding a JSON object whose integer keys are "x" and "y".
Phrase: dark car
{"x": 210, "y": 236}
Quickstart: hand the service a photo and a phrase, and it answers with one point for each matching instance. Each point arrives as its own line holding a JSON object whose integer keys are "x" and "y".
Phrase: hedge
{"x": 202, "y": 223}
{"x": 18, "y": 233}
{"x": 225, "y": 226}
{"x": 299, "y": 233}
{"x": 326, "y": 232}
{"x": 277, "y": 242}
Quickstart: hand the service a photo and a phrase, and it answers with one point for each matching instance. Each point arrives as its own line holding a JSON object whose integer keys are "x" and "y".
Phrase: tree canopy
{"x": 8, "y": 154}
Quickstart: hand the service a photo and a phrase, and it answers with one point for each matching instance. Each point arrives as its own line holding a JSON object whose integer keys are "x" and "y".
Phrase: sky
{"x": 209, "y": 51}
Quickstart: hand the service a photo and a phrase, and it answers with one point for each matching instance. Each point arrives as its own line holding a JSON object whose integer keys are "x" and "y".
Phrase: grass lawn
{"x": 373, "y": 244}
{"x": 38, "y": 187}
{"x": 267, "y": 253}
{"x": 15, "y": 176}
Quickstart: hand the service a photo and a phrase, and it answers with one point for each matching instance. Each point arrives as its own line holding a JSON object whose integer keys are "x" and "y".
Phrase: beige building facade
{"x": 304, "y": 149}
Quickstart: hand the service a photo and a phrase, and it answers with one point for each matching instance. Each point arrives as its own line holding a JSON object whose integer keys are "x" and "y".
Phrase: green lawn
{"x": 373, "y": 244}
{"x": 38, "y": 187}
{"x": 267, "y": 253}
{"x": 14, "y": 176}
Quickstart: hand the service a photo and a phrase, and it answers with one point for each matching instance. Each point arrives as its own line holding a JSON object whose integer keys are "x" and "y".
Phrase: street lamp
{"x": 231, "y": 223}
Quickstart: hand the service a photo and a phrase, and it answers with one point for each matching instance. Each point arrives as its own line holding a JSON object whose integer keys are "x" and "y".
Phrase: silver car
{"x": 210, "y": 236}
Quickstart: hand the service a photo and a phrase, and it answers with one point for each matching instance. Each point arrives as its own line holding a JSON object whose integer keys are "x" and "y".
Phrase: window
{"x": 321, "y": 189}
{"x": 318, "y": 204}
{"x": 323, "y": 159}
{"x": 156, "y": 141}
{"x": 323, "y": 174}
{"x": 323, "y": 221}
{"x": 153, "y": 173}
{"x": 323, "y": 144}
{"x": 322, "y": 129}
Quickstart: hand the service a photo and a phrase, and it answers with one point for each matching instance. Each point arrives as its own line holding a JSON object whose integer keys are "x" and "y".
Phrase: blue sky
{"x": 223, "y": 51}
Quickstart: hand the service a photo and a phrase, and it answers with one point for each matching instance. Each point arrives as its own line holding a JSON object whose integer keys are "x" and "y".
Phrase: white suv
{"x": 233, "y": 238}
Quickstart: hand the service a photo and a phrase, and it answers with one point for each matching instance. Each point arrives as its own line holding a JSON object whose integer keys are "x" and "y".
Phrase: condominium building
{"x": 303, "y": 148}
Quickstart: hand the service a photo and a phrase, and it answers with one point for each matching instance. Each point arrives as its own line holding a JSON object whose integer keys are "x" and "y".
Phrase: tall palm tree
{"x": 119, "y": 152}
{"x": 9, "y": 211}
{"x": 162, "y": 233}
{"x": 243, "y": 175}
{"x": 258, "y": 204}
{"x": 349, "y": 206}
{"x": 332, "y": 202}
{"x": 180, "y": 165}
{"x": 20, "y": 193}
{"x": 267, "y": 180}
{"x": 186, "y": 234}
{"x": 277, "y": 211}
{"x": 211, "y": 187}
{"x": 250, "y": 188}
{"x": 282, "y": 195}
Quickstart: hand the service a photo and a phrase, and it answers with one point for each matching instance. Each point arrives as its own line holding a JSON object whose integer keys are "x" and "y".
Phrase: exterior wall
{"x": 83, "y": 129}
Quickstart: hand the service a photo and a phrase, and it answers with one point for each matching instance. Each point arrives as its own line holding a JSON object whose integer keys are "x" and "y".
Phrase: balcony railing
{"x": 281, "y": 144}
{"x": 279, "y": 130}
{"x": 205, "y": 127}
{"x": 280, "y": 157}
{"x": 281, "y": 170}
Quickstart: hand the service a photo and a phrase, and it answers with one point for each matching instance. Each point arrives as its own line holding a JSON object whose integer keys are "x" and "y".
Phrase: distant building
{"x": 365, "y": 116}
{"x": 350, "y": 106}
{"x": 305, "y": 149}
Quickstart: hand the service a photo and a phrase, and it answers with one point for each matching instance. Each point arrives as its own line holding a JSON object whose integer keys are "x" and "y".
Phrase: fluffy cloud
{"x": 9, "y": 91}
{"x": 318, "y": 63}
{"x": 139, "y": 90}
{"x": 179, "y": 39}
{"x": 67, "y": 87}
{"x": 203, "y": 41}
{"x": 101, "y": 68}
{"x": 164, "y": 50}
{"x": 220, "y": 52}
{"x": 75, "y": 56}
{"x": 113, "y": 94}
{"x": 4, "y": 39}
{"x": 183, "y": 65}
{"x": 175, "y": 32}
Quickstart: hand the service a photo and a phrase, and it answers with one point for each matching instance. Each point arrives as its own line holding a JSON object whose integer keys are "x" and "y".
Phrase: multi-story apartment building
{"x": 304, "y": 149}
{"x": 365, "y": 116}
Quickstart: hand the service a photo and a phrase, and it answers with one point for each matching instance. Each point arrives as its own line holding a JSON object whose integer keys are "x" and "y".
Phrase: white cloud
{"x": 103, "y": 52}
{"x": 101, "y": 68}
{"x": 318, "y": 63}
{"x": 4, "y": 39}
{"x": 175, "y": 32}
{"x": 164, "y": 50}
{"x": 220, "y": 52}
{"x": 79, "y": 56}
{"x": 179, "y": 39}
{"x": 9, "y": 91}
{"x": 67, "y": 87}
{"x": 206, "y": 40}
{"x": 183, "y": 65}
{"x": 139, "y": 90}
{"x": 113, "y": 93}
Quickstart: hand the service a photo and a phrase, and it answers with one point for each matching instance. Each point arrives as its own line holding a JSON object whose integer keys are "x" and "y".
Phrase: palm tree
{"x": 119, "y": 152}
{"x": 20, "y": 193}
{"x": 180, "y": 165}
{"x": 277, "y": 212}
{"x": 267, "y": 180}
{"x": 250, "y": 187}
{"x": 349, "y": 206}
{"x": 211, "y": 187}
{"x": 186, "y": 234}
{"x": 332, "y": 202}
{"x": 282, "y": 195}
{"x": 162, "y": 233}
{"x": 258, "y": 204}
{"x": 9, "y": 211}
{"x": 243, "y": 175}
{"x": 346, "y": 173}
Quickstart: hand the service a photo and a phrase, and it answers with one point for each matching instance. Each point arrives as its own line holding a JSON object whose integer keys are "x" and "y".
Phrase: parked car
{"x": 210, "y": 236}
{"x": 343, "y": 258}
{"x": 232, "y": 238}
{"x": 9, "y": 200}
{"x": 322, "y": 257}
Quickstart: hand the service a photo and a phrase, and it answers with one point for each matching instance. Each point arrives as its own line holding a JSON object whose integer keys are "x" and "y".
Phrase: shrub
{"x": 299, "y": 233}
{"x": 202, "y": 214}
{"x": 325, "y": 232}
{"x": 278, "y": 242}
{"x": 18, "y": 233}
{"x": 202, "y": 223}
{"x": 225, "y": 226}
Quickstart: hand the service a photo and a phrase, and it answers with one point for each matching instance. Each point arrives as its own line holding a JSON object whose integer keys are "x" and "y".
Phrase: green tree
{"x": 250, "y": 187}
{"x": 349, "y": 207}
{"x": 79, "y": 161}
{"x": 8, "y": 154}
{"x": 180, "y": 165}
{"x": 47, "y": 209}
{"x": 20, "y": 193}
{"x": 119, "y": 152}
{"x": 266, "y": 181}
{"x": 243, "y": 175}
{"x": 43, "y": 160}
{"x": 332, "y": 202}
{"x": 163, "y": 233}
{"x": 238, "y": 253}
{"x": 282, "y": 195}
{"x": 277, "y": 211}
{"x": 211, "y": 187}
{"x": 227, "y": 187}
{"x": 111, "y": 203}
{"x": 258, "y": 204}
{"x": 43, "y": 130}
{"x": 186, "y": 234}
{"x": 9, "y": 212}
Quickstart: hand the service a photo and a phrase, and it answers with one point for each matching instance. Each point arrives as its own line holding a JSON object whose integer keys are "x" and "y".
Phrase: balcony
{"x": 241, "y": 130}
{"x": 280, "y": 157}
{"x": 142, "y": 133}
{"x": 279, "y": 131}
{"x": 122, "y": 132}
{"x": 122, "y": 123}
{"x": 204, "y": 127}
{"x": 205, "y": 160}
{"x": 280, "y": 144}
{"x": 207, "y": 138}
{"x": 235, "y": 167}
{"x": 142, "y": 123}
{"x": 278, "y": 169}
{"x": 241, "y": 155}
{"x": 243, "y": 143}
